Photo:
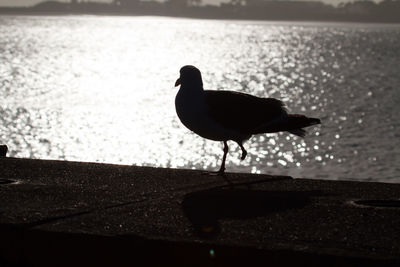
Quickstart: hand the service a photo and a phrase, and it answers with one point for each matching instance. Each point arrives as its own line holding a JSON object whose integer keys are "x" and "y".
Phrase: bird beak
{"x": 178, "y": 82}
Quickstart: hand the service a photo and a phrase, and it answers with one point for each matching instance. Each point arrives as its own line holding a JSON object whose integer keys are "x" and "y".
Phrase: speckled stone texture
{"x": 57, "y": 213}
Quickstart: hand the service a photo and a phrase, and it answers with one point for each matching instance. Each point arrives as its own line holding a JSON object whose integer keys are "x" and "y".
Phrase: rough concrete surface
{"x": 57, "y": 213}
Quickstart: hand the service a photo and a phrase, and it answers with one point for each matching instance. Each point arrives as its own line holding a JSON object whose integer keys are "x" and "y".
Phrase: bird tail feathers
{"x": 298, "y": 132}
{"x": 296, "y": 122}
{"x": 292, "y": 123}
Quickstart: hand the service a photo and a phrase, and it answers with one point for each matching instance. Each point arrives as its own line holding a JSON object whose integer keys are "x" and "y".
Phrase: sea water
{"x": 100, "y": 88}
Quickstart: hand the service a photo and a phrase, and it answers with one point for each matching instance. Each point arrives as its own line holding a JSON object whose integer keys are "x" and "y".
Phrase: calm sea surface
{"x": 101, "y": 89}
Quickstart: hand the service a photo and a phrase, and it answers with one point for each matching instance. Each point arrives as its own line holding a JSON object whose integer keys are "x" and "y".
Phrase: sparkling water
{"x": 100, "y": 88}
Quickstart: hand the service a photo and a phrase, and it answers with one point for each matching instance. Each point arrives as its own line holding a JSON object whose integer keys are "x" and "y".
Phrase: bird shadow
{"x": 205, "y": 208}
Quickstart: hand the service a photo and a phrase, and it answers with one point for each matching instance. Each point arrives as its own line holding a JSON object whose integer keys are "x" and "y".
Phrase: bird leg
{"x": 244, "y": 152}
{"x": 222, "y": 169}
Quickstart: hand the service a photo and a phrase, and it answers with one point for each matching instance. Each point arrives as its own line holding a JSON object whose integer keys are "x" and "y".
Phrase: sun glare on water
{"x": 101, "y": 89}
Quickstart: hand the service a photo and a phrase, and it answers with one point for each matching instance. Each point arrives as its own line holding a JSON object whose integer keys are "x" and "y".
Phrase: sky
{"x": 33, "y": 2}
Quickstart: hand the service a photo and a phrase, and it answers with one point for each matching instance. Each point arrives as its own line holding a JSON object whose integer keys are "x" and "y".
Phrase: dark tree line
{"x": 385, "y": 11}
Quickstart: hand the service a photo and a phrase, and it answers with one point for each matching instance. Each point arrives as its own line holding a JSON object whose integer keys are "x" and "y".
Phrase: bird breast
{"x": 191, "y": 108}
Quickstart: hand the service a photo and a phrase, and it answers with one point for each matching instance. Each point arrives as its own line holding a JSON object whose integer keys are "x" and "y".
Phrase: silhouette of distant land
{"x": 387, "y": 11}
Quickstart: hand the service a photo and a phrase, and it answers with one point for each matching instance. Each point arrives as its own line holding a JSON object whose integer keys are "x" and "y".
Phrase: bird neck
{"x": 192, "y": 89}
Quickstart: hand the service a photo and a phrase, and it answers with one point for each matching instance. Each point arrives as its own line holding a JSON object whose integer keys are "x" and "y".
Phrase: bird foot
{"x": 217, "y": 173}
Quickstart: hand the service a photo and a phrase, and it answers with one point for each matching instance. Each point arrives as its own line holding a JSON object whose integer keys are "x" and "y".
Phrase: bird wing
{"x": 243, "y": 112}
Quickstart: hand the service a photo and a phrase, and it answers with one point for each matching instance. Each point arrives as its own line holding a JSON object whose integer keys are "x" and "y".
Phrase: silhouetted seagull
{"x": 228, "y": 115}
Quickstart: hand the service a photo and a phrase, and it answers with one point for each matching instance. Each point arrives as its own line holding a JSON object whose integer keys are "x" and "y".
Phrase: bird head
{"x": 189, "y": 76}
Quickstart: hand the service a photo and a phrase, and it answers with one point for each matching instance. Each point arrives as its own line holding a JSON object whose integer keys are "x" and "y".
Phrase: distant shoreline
{"x": 19, "y": 13}
{"x": 305, "y": 11}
